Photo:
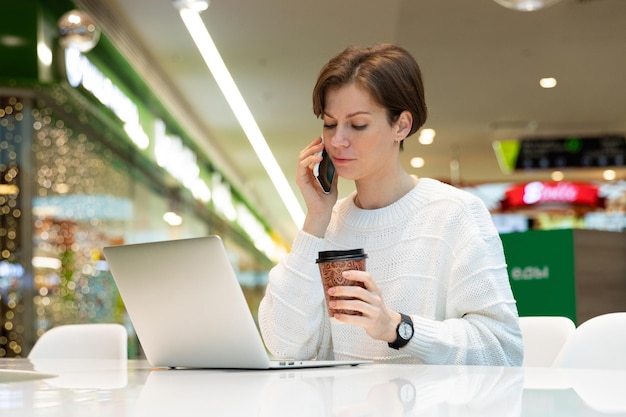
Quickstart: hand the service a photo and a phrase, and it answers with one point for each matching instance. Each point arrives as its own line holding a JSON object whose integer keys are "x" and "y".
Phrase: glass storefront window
{"x": 12, "y": 251}
{"x": 64, "y": 195}
{"x": 81, "y": 202}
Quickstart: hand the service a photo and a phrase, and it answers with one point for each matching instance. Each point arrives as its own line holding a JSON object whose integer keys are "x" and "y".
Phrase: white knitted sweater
{"x": 436, "y": 256}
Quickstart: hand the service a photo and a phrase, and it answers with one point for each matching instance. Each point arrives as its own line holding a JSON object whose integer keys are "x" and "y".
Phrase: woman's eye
{"x": 329, "y": 126}
{"x": 359, "y": 127}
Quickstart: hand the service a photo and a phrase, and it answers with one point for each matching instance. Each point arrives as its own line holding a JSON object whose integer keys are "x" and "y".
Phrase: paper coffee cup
{"x": 331, "y": 264}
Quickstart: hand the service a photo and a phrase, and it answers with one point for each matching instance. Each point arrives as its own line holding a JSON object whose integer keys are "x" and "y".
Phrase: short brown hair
{"x": 387, "y": 71}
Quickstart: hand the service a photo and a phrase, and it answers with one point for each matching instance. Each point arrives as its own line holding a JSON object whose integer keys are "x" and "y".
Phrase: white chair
{"x": 543, "y": 338}
{"x": 600, "y": 342}
{"x": 82, "y": 341}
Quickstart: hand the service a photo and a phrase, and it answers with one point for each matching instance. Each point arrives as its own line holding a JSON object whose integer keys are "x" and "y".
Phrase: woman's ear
{"x": 404, "y": 125}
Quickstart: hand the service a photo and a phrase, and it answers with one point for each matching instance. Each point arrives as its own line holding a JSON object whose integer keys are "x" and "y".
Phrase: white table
{"x": 119, "y": 389}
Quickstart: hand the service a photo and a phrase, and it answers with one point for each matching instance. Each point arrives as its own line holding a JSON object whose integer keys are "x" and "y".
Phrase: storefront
{"x": 89, "y": 158}
{"x": 566, "y": 204}
{"x": 549, "y": 205}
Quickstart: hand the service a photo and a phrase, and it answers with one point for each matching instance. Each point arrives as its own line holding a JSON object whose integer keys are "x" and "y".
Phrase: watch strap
{"x": 400, "y": 341}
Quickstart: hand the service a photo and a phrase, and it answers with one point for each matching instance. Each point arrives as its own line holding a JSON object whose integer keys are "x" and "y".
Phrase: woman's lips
{"x": 340, "y": 160}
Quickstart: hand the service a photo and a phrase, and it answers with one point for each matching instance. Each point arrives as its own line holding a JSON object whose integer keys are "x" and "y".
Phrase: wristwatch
{"x": 404, "y": 332}
{"x": 406, "y": 393}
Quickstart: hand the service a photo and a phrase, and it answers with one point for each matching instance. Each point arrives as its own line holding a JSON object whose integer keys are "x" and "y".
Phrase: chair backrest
{"x": 600, "y": 342}
{"x": 543, "y": 338}
{"x": 82, "y": 341}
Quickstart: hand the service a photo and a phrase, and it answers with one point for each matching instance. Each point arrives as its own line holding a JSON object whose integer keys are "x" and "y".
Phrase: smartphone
{"x": 324, "y": 172}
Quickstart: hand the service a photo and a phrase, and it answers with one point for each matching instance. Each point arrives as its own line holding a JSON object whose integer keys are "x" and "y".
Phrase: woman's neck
{"x": 374, "y": 195}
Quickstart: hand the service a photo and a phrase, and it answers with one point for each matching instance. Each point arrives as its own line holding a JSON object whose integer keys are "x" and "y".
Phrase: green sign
{"x": 541, "y": 271}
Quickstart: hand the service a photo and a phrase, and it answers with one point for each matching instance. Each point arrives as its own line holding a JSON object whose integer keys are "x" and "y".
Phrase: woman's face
{"x": 357, "y": 135}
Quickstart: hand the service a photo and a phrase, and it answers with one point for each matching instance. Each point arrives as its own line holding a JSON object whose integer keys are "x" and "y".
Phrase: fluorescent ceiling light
{"x": 417, "y": 162}
{"x": 195, "y": 5}
{"x": 526, "y": 5}
{"x": 44, "y": 54}
{"x": 547, "y": 82}
{"x": 214, "y": 62}
{"x": 427, "y": 136}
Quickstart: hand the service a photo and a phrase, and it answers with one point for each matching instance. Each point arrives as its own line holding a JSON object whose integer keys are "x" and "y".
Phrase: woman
{"x": 436, "y": 286}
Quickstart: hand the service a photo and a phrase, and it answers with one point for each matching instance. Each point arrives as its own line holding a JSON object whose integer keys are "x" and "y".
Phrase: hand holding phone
{"x": 324, "y": 171}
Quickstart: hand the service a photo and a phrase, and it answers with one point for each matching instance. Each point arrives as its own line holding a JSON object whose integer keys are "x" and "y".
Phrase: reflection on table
{"x": 112, "y": 388}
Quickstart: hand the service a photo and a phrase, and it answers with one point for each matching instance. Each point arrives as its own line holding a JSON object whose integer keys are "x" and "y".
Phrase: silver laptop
{"x": 188, "y": 308}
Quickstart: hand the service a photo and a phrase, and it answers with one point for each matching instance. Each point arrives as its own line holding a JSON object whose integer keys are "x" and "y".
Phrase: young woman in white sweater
{"x": 436, "y": 285}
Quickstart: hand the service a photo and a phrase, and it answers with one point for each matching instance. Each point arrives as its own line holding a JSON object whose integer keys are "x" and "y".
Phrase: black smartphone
{"x": 324, "y": 171}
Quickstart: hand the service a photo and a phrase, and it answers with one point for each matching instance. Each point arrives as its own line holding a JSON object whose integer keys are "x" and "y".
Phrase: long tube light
{"x": 210, "y": 54}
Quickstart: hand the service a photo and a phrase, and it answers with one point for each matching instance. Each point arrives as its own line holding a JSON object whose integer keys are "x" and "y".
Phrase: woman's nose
{"x": 337, "y": 139}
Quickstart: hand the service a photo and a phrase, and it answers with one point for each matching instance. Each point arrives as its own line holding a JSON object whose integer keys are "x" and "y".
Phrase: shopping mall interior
{"x": 128, "y": 121}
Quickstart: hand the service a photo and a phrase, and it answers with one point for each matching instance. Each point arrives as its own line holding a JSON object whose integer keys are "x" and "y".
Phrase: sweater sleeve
{"x": 292, "y": 314}
{"x": 481, "y": 325}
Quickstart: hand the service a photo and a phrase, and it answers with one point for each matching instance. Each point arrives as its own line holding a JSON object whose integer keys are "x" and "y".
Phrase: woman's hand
{"x": 319, "y": 205}
{"x": 378, "y": 321}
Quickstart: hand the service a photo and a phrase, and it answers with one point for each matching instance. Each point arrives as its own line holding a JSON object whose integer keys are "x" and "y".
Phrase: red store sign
{"x": 538, "y": 192}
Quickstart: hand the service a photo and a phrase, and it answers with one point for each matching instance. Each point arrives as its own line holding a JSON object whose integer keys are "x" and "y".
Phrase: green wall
{"x": 18, "y": 40}
{"x": 542, "y": 272}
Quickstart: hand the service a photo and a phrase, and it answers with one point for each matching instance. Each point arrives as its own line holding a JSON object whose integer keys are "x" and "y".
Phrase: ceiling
{"x": 481, "y": 65}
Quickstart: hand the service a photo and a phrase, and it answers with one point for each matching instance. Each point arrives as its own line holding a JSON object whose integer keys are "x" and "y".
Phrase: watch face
{"x": 405, "y": 331}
